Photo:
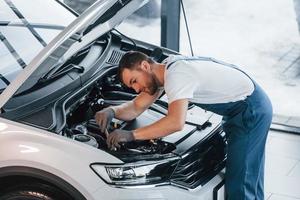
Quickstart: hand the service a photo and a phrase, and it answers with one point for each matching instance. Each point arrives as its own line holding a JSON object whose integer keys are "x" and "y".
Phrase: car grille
{"x": 202, "y": 162}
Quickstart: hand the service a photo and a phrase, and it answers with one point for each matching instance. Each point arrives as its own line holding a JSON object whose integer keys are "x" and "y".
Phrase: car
{"x": 57, "y": 70}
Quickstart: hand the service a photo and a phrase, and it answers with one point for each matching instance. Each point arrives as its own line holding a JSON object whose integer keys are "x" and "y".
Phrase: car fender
{"x": 25, "y": 146}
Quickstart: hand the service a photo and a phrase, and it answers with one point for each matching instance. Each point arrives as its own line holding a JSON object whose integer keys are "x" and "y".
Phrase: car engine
{"x": 81, "y": 125}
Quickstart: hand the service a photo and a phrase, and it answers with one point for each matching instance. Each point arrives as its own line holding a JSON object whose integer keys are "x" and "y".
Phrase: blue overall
{"x": 246, "y": 124}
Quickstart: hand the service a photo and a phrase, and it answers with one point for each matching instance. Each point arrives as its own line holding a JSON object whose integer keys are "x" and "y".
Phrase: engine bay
{"x": 89, "y": 133}
{"x": 81, "y": 125}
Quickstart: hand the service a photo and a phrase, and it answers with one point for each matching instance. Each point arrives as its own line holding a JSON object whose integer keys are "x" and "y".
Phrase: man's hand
{"x": 104, "y": 117}
{"x": 117, "y": 136}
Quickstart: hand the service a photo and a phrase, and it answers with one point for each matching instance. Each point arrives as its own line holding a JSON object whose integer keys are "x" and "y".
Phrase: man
{"x": 212, "y": 85}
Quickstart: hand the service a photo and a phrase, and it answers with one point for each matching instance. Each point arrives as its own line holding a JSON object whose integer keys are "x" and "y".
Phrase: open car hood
{"x": 97, "y": 20}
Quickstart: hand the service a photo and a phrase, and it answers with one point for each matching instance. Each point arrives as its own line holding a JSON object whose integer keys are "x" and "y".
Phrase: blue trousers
{"x": 246, "y": 124}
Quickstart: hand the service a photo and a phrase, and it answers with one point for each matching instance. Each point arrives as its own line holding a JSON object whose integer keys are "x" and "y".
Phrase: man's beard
{"x": 153, "y": 85}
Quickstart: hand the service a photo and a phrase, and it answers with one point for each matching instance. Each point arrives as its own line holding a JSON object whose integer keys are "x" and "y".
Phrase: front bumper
{"x": 212, "y": 190}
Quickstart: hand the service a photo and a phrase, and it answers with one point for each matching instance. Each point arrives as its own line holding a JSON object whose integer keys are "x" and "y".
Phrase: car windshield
{"x": 25, "y": 31}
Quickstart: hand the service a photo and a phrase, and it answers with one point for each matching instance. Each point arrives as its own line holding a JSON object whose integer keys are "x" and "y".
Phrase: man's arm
{"x": 173, "y": 122}
{"x": 130, "y": 110}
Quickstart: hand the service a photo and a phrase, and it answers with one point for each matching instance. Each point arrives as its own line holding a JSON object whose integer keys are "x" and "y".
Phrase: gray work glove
{"x": 104, "y": 117}
{"x": 118, "y": 136}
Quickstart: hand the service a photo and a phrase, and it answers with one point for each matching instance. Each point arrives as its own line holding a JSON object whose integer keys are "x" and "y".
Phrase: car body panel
{"x": 25, "y": 146}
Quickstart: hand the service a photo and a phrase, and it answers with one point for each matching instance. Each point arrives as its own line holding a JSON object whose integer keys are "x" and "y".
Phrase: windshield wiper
{"x": 60, "y": 71}
{"x": 34, "y": 25}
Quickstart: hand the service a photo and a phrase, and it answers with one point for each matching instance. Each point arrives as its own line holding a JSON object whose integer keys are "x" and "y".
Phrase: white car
{"x": 57, "y": 71}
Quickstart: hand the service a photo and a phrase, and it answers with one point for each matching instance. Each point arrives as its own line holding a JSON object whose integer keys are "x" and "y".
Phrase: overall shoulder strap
{"x": 168, "y": 65}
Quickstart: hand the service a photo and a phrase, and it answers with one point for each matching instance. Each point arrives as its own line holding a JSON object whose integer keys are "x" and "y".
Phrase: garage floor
{"x": 282, "y": 173}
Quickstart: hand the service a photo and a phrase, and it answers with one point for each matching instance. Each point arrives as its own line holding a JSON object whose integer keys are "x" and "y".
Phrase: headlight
{"x": 139, "y": 173}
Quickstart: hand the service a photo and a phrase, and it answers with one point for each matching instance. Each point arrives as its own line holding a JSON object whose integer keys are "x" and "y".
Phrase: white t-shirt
{"x": 205, "y": 82}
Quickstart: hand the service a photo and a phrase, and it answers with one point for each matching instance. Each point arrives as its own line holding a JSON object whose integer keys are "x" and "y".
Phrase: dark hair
{"x": 130, "y": 60}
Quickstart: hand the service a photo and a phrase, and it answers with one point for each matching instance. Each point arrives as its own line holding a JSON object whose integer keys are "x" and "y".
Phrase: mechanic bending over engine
{"x": 212, "y": 85}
